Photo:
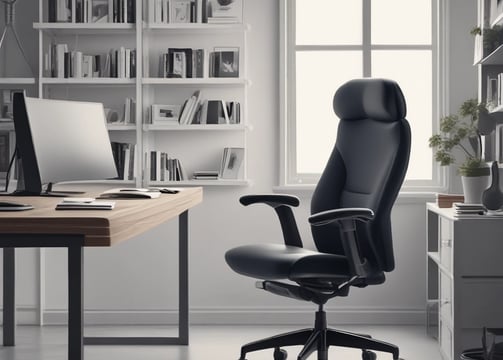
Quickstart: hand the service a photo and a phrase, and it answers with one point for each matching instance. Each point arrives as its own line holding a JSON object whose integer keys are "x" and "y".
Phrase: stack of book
{"x": 163, "y": 168}
{"x": 92, "y": 11}
{"x": 468, "y": 210}
{"x": 446, "y": 200}
{"x": 62, "y": 63}
{"x": 124, "y": 157}
{"x": 205, "y": 175}
{"x": 182, "y": 63}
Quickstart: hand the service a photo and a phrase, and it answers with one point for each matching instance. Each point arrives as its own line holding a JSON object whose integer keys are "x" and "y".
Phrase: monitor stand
{"x": 55, "y": 193}
{"x": 48, "y": 192}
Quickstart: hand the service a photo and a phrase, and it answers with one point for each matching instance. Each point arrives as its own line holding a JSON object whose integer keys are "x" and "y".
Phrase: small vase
{"x": 492, "y": 198}
{"x": 473, "y": 187}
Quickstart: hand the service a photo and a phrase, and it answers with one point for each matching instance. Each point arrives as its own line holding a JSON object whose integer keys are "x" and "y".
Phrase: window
{"x": 328, "y": 42}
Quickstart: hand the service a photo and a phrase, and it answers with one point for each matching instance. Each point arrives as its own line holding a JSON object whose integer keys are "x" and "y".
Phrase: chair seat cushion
{"x": 276, "y": 261}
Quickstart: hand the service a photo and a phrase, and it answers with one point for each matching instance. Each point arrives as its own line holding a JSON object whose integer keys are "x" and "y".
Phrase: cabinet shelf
{"x": 194, "y": 81}
{"x": 17, "y": 81}
{"x": 497, "y": 109}
{"x": 195, "y": 27}
{"x": 219, "y": 182}
{"x": 6, "y": 125}
{"x": 121, "y": 127}
{"x": 85, "y": 28}
{"x": 195, "y": 127}
{"x": 494, "y": 58}
{"x": 87, "y": 81}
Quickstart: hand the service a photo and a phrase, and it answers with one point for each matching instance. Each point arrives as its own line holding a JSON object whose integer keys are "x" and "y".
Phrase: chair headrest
{"x": 378, "y": 99}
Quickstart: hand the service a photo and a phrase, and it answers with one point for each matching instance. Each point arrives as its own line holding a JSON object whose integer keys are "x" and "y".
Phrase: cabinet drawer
{"x": 445, "y": 303}
{"x": 445, "y": 340}
{"x": 445, "y": 242}
{"x": 480, "y": 303}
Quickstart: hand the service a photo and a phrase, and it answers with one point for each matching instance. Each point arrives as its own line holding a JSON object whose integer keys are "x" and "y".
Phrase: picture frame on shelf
{"x": 165, "y": 114}
{"x": 226, "y": 62}
{"x": 225, "y": 11}
{"x": 180, "y": 11}
{"x": 232, "y": 161}
{"x": 100, "y": 11}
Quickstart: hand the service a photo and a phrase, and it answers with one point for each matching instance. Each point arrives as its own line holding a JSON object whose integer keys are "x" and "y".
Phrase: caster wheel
{"x": 368, "y": 355}
{"x": 280, "y": 354}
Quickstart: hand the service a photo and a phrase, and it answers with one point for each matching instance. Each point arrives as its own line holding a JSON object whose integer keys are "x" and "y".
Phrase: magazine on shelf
{"x": 232, "y": 161}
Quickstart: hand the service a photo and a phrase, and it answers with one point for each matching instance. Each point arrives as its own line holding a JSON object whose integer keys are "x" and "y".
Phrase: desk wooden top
{"x": 100, "y": 227}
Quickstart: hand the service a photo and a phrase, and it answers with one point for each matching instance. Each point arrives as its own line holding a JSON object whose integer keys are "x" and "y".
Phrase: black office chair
{"x": 350, "y": 220}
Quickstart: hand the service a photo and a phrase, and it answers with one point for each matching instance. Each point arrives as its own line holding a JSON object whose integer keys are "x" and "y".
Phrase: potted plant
{"x": 459, "y": 135}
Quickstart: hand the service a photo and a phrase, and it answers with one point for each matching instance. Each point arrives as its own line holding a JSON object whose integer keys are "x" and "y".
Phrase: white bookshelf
{"x": 147, "y": 88}
{"x": 85, "y": 28}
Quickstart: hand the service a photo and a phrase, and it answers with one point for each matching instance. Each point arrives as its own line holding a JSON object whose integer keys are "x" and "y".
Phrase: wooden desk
{"x": 75, "y": 229}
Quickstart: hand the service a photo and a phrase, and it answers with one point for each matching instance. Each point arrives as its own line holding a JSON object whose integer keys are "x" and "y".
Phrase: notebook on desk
{"x": 130, "y": 193}
{"x": 84, "y": 204}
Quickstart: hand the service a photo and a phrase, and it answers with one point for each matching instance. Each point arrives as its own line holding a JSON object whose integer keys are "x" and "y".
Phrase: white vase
{"x": 473, "y": 187}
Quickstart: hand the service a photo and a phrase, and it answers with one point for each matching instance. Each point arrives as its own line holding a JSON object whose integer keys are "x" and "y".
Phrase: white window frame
{"x": 291, "y": 181}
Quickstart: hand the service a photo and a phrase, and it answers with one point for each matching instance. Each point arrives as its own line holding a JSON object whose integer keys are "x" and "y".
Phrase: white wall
{"x": 136, "y": 281}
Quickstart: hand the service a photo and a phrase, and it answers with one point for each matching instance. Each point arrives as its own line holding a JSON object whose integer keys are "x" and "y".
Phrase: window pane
{"x": 412, "y": 69}
{"x": 401, "y": 21}
{"x": 329, "y": 22}
{"x": 318, "y": 75}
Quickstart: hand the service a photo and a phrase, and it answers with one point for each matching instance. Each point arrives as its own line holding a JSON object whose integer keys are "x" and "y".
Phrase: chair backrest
{"x": 366, "y": 167}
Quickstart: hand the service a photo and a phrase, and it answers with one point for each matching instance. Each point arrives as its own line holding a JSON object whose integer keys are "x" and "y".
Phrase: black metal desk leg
{"x": 183, "y": 281}
{"x": 9, "y": 296}
{"x": 75, "y": 303}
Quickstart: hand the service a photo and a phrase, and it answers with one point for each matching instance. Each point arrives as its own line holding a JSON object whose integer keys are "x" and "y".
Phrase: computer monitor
{"x": 59, "y": 141}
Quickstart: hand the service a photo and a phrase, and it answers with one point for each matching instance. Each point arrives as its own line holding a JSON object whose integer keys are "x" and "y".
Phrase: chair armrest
{"x": 282, "y": 204}
{"x": 345, "y": 219}
{"x": 326, "y": 217}
{"x": 273, "y": 200}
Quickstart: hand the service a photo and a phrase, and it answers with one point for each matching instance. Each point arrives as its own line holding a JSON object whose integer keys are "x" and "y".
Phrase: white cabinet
{"x": 464, "y": 279}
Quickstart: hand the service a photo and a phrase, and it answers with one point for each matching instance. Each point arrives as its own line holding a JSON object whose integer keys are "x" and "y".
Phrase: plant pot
{"x": 474, "y": 187}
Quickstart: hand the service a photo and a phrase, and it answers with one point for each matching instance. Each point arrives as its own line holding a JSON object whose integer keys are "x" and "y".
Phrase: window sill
{"x": 404, "y": 197}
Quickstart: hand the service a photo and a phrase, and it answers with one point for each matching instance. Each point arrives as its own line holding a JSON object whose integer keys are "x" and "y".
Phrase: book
{"x": 205, "y": 175}
{"x": 447, "y": 200}
{"x": 128, "y": 193}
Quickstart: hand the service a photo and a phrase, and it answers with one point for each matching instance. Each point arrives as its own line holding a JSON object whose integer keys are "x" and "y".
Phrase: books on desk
{"x": 84, "y": 204}
{"x": 467, "y": 210}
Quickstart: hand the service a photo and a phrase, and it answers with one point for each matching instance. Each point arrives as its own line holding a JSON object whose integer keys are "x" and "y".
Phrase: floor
{"x": 206, "y": 343}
